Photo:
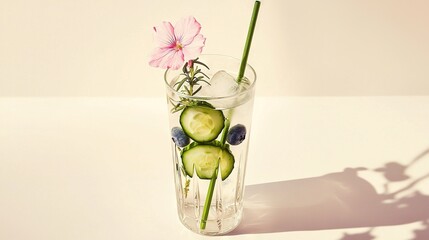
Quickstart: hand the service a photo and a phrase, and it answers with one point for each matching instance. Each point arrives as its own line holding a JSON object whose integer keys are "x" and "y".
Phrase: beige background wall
{"x": 310, "y": 47}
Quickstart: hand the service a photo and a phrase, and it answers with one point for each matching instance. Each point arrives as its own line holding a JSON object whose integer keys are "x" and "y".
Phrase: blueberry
{"x": 236, "y": 134}
{"x": 179, "y": 137}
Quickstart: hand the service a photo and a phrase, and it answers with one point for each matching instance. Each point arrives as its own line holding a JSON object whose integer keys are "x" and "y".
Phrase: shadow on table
{"x": 334, "y": 201}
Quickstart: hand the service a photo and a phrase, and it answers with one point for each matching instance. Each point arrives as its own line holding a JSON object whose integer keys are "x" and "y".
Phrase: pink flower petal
{"x": 164, "y": 35}
{"x": 157, "y": 56}
{"x": 186, "y": 29}
{"x": 194, "y": 49}
{"x": 167, "y": 58}
{"x": 175, "y": 60}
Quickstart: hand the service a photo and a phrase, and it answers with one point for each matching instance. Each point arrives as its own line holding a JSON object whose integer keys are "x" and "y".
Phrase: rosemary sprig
{"x": 192, "y": 78}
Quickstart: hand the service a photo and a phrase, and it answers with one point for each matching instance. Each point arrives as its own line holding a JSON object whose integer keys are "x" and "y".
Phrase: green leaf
{"x": 180, "y": 83}
{"x": 177, "y": 108}
{"x": 187, "y": 89}
{"x": 198, "y": 89}
{"x": 204, "y": 81}
{"x": 198, "y": 62}
{"x": 204, "y": 75}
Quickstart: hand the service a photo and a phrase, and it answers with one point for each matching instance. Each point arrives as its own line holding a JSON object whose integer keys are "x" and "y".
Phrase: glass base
{"x": 213, "y": 227}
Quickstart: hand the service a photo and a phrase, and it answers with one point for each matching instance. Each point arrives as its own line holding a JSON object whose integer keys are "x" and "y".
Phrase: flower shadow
{"x": 423, "y": 233}
{"x": 332, "y": 201}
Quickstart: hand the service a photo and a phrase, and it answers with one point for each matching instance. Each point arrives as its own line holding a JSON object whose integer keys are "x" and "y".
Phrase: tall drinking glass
{"x": 210, "y": 132}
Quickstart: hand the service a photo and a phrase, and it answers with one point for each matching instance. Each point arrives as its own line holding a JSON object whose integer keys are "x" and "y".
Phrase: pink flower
{"x": 177, "y": 45}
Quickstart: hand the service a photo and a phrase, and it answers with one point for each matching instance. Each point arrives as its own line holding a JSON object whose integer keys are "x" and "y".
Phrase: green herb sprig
{"x": 190, "y": 83}
{"x": 193, "y": 76}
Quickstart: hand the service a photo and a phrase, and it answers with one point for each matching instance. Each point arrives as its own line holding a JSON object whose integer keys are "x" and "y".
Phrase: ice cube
{"x": 221, "y": 84}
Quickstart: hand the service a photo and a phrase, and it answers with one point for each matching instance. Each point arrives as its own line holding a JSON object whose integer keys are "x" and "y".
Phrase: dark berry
{"x": 179, "y": 137}
{"x": 236, "y": 134}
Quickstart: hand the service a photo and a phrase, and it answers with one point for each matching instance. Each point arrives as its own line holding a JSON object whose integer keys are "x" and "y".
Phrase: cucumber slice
{"x": 202, "y": 123}
{"x": 205, "y": 159}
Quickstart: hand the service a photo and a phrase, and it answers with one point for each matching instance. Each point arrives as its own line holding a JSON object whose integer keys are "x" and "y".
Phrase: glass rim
{"x": 181, "y": 94}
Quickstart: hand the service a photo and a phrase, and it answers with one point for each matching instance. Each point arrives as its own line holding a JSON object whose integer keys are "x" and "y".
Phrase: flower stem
{"x": 191, "y": 81}
{"x": 228, "y": 118}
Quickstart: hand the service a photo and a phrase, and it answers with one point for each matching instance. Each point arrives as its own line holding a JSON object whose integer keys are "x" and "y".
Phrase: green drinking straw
{"x": 227, "y": 121}
{"x": 248, "y": 40}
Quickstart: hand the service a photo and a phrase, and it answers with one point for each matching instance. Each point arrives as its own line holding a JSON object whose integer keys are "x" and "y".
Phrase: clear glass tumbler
{"x": 209, "y": 159}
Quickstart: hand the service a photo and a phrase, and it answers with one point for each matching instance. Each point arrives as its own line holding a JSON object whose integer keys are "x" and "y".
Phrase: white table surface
{"x": 100, "y": 168}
